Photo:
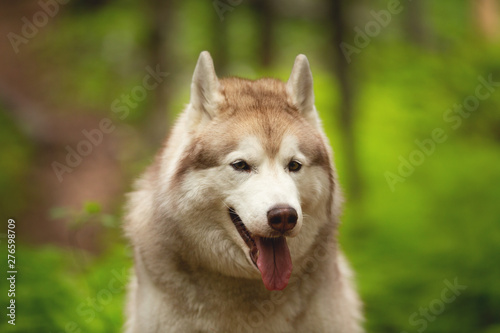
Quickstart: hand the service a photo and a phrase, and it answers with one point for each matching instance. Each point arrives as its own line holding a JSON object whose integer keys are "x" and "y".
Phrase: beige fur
{"x": 193, "y": 272}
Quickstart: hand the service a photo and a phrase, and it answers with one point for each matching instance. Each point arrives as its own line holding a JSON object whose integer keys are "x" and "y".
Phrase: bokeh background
{"x": 400, "y": 87}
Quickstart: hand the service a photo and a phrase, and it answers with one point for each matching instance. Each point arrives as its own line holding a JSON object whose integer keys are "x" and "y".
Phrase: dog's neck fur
{"x": 192, "y": 273}
{"x": 204, "y": 288}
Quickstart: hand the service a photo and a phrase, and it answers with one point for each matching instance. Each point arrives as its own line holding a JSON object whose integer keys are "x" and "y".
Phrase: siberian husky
{"x": 234, "y": 225}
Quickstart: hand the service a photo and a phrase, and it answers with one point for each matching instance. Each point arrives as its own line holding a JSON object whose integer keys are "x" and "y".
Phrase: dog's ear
{"x": 300, "y": 89}
{"x": 205, "y": 87}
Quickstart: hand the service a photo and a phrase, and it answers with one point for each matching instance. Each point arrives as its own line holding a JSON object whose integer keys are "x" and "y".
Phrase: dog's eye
{"x": 241, "y": 166}
{"x": 294, "y": 166}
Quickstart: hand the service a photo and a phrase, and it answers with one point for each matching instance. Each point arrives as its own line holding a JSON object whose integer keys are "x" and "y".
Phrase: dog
{"x": 234, "y": 225}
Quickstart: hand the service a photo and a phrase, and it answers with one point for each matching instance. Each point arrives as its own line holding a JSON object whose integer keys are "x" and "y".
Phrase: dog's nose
{"x": 282, "y": 218}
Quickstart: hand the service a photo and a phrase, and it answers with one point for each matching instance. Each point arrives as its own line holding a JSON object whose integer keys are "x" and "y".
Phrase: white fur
{"x": 204, "y": 90}
{"x": 300, "y": 88}
{"x": 193, "y": 272}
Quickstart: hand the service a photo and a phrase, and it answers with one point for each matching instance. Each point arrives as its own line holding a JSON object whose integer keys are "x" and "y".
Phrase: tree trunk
{"x": 414, "y": 27}
{"x": 347, "y": 116}
{"x": 220, "y": 46}
{"x": 161, "y": 16}
{"x": 265, "y": 13}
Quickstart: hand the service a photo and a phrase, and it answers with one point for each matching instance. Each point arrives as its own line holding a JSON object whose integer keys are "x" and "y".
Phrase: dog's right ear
{"x": 300, "y": 89}
{"x": 205, "y": 88}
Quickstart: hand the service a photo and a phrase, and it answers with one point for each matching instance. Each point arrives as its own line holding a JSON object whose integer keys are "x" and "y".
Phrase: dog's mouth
{"x": 271, "y": 256}
{"x": 245, "y": 234}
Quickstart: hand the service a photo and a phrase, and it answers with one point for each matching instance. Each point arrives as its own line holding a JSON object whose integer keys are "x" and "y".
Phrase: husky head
{"x": 251, "y": 180}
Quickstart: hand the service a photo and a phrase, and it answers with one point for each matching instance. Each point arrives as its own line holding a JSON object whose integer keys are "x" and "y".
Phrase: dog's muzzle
{"x": 270, "y": 255}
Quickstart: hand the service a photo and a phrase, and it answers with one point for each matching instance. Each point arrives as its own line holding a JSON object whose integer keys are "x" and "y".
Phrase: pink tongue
{"x": 274, "y": 262}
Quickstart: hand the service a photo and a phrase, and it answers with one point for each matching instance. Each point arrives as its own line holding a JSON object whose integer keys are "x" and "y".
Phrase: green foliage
{"x": 68, "y": 291}
{"x": 15, "y": 160}
{"x": 89, "y": 213}
{"x": 440, "y": 223}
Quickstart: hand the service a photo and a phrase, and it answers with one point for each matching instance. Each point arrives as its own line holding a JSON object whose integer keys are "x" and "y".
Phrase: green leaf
{"x": 59, "y": 212}
{"x": 92, "y": 207}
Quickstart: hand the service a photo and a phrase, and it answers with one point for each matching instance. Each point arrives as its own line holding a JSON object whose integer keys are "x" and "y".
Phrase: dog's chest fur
{"x": 199, "y": 217}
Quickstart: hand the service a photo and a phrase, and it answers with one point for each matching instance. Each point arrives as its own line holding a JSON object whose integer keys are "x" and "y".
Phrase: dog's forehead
{"x": 261, "y": 96}
{"x": 273, "y": 136}
{"x": 252, "y": 145}
{"x": 259, "y": 108}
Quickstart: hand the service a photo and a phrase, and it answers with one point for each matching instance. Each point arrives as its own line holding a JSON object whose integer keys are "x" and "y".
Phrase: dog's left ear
{"x": 204, "y": 88}
{"x": 300, "y": 89}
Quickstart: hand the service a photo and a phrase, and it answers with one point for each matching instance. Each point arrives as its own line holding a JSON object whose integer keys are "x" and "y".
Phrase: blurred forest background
{"x": 403, "y": 92}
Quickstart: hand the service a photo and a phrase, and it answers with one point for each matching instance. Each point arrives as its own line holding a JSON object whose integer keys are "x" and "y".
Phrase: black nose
{"x": 282, "y": 218}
